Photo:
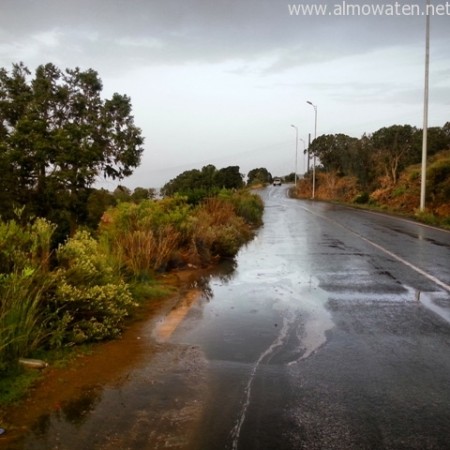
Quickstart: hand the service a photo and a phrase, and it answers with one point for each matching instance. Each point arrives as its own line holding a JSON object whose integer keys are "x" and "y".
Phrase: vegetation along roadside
{"x": 76, "y": 262}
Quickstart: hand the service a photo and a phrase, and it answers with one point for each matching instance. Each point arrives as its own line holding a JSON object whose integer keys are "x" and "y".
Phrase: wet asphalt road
{"x": 331, "y": 330}
{"x": 319, "y": 341}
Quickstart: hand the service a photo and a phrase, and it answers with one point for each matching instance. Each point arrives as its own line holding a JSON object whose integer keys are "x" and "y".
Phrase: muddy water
{"x": 135, "y": 392}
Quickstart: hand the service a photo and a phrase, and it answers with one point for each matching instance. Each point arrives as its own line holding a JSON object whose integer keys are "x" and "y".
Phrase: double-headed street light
{"x": 314, "y": 157}
{"x": 296, "y": 149}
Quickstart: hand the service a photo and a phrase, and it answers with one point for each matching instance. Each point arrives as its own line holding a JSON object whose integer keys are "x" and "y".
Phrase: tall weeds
{"x": 24, "y": 280}
{"x": 22, "y": 321}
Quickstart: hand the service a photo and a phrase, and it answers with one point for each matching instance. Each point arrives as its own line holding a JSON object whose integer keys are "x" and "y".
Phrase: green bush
{"x": 246, "y": 205}
{"x": 90, "y": 299}
{"x": 219, "y": 231}
{"x": 26, "y": 245}
{"x": 144, "y": 237}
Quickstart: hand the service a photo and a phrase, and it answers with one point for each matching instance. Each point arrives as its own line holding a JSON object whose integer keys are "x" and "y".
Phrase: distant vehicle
{"x": 276, "y": 181}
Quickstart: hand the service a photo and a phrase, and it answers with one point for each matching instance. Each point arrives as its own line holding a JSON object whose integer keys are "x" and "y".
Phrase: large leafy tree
{"x": 394, "y": 147}
{"x": 259, "y": 175}
{"x": 57, "y": 135}
{"x": 344, "y": 155}
{"x": 229, "y": 178}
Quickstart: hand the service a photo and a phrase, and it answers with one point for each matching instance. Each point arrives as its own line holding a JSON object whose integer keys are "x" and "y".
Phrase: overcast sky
{"x": 221, "y": 81}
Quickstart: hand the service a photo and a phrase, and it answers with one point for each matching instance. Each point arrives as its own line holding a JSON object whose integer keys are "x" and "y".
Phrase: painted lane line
{"x": 403, "y": 261}
{"x": 385, "y": 250}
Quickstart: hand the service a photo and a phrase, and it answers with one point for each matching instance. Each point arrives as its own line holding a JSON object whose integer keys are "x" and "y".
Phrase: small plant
{"x": 90, "y": 299}
{"x": 399, "y": 191}
{"x": 427, "y": 217}
{"x": 362, "y": 198}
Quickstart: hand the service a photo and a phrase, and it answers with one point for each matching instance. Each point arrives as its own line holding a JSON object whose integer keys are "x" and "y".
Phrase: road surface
{"x": 330, "y": 330}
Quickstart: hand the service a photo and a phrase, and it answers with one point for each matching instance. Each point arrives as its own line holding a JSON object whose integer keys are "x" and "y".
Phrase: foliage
{"x": 14, "y": 383}
{"x": 362, "y": 198}
{"x": 141, "y": 193}
{"x": 21, "y": 315}
{"x": 98, "y": 201}
{"x": 90, "y": 299}
{"x": 57, "y": 134}
{"x": 394, "y": 149}
{"x": 259, "y": 176}
{"x": 122, "y": 194}
{"x": 143, "y": 236}
{"x": 24, "y": 246}
{"x": 24, "y": 263}
{"x": 438, "y": 179}
{"x": 155, "y": 235}
{"x": 219, "y": 232}
{"x": 196, "y": 184}
{"x": 246, "y": 205}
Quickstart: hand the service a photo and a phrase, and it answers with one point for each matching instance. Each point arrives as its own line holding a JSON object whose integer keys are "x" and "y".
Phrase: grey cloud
{"x": 179, "y": 31}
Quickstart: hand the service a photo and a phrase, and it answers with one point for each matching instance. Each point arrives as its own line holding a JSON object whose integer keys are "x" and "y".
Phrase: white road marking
{"x": 385, "y": 250}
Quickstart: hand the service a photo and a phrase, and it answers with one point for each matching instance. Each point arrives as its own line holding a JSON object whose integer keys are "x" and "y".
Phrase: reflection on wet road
{"x": 331, "y": 330}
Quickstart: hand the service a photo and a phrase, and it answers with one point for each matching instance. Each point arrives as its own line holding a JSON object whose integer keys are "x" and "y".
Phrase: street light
{"x": 296, "y": 148}
{"x": 425, "y": 110}
{"x": 314, "y": 157}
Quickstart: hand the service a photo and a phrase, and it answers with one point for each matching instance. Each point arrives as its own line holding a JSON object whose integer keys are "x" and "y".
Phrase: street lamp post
{"x": 425, "y": 110}
{"x": 296, "y": 149}
{"x": 314, "y": 156}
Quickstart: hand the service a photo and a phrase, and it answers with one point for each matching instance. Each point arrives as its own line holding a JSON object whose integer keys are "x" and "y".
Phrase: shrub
{"x": 143, "y": 237}
{"x": 219, "y": 232}
{"x": 438, "y": 180}
{"x": 246, "y": 205}
{"x": 90, "y": 299}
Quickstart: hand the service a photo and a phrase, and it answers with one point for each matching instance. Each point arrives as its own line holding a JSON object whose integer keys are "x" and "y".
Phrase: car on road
{"x": 276, "y": 181}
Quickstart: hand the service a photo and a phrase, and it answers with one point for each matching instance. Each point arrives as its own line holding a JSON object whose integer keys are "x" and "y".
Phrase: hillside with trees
{"x": 383, "y": 169}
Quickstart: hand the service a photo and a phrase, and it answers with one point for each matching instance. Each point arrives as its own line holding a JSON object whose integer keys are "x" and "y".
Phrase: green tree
{"x": 141, "y": 193}
{"x": 393, "y": 149}
{"x": 98, "y": 202}
{"x": 122, "y": 194}
{"x": 184, "y": 182}
{"x": 57, "y": 136}
{"x": 438, "y": 139}
{"x": 259, "y": 176}
{"x": 229, "y": 178}
{"x": 198, "y": 184}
